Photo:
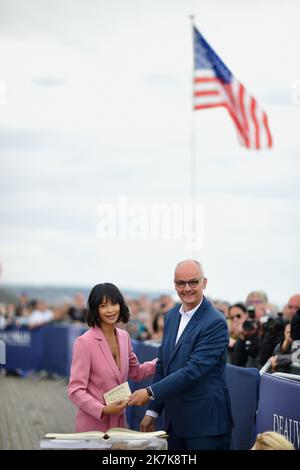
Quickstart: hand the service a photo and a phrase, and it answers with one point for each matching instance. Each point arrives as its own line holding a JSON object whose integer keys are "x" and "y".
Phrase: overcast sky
{"x": 96, "y": 106}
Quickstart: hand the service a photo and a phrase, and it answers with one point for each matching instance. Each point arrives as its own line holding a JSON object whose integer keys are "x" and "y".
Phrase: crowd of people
{"x": 146, "y": 315}
{"x": 259, "y": 332}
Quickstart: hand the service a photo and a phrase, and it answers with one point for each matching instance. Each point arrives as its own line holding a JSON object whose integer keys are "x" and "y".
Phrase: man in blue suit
{"x": 189, "y": 382}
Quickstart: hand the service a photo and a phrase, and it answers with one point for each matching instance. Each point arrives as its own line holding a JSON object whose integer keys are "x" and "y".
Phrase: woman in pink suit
{"x": 103, "y": 359}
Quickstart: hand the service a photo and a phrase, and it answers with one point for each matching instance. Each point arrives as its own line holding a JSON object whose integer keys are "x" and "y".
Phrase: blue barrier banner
{"x": 46, "y": 348}
{"x": 24, "y": 347}
{"x": 243, "y": 387}
{"x": 279, "y": 407}
{"x": 59, "y": 340}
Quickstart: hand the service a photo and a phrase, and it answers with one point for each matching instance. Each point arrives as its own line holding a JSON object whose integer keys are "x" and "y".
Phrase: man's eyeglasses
{"x": 238, "y": 315}
{"x": 191, "y": 283}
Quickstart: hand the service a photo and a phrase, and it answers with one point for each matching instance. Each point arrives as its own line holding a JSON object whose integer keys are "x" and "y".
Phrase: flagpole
{"x": 193, "y": 161}
{"x": 193, "y": 165}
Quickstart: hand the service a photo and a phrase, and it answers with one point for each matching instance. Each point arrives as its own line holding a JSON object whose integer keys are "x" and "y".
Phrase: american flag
{"x": 214, "y": 85}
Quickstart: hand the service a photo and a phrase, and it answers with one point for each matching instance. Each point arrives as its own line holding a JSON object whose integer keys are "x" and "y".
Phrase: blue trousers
{"x": 221, "y": 442}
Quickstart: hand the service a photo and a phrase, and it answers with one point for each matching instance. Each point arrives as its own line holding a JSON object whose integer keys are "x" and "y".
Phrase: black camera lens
{"x": 249, "y": 325}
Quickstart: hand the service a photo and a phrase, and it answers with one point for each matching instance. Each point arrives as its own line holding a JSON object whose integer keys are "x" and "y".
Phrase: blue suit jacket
{"x": 189, "y": 382}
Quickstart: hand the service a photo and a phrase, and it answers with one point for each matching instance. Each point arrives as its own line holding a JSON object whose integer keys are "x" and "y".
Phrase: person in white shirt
{"x": 40, "y": 315}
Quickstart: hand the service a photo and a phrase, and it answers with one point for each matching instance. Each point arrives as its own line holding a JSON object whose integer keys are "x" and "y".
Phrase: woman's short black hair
{"x": 98, "y": 294}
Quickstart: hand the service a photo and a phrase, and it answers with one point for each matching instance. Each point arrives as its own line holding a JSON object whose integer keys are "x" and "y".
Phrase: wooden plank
{"x": 31, "y": 407}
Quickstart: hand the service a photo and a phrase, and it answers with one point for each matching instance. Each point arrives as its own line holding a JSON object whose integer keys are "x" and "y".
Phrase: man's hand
{"x": 139, "y": 398}
{"x": 274, "y": 363}
{"x": 147, "y": 424}
{"x": 115, "y": 408}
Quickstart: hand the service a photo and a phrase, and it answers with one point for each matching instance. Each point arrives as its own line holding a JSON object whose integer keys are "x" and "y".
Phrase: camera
{"x": 251, "y": 312}
{"x": 249, "y": 325}
{"x": 273, "y": 325}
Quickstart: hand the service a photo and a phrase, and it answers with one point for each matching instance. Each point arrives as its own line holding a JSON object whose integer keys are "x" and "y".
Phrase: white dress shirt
{"x": 185, "y": 318}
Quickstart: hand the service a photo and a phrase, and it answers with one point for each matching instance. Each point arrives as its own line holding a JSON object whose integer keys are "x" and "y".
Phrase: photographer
{"x": 247, "y": 346}
{"x": 288, "y": 351}
{"x": 272, "y": 332}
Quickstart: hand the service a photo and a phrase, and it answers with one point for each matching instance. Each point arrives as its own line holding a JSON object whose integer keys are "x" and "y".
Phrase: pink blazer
{"x": 94, "y": 372}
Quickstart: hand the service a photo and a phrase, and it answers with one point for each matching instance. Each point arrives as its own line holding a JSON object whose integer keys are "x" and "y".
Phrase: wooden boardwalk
{"x": 31, "y": 407}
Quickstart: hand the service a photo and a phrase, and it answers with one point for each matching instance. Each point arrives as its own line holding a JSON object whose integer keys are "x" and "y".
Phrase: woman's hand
{"x": 115, "y": 408}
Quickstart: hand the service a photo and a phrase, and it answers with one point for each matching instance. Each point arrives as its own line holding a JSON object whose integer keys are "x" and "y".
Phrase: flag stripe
{"x": 266, "y": 125}
{"x": 256, "y": 125}
{"x": 205, "y": 79}
{"x": 241, "y": 132}
{"x": 215, "y": 100}
{"x": 207, "y": 93}
{"x": 210, "y": 105}
{"x": 242, "y": 106}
